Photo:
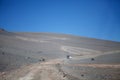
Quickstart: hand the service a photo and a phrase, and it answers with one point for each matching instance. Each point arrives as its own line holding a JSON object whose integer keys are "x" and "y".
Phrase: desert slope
{"x": 43, "y": 56}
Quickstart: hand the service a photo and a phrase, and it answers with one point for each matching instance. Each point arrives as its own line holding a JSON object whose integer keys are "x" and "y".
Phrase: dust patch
{"x": 30, "y": 39}
{"x": 96, "y": 65}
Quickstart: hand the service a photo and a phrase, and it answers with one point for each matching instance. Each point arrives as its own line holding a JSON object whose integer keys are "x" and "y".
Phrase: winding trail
{"x": 44, "y": 71}
{"x": 47, "y": 70}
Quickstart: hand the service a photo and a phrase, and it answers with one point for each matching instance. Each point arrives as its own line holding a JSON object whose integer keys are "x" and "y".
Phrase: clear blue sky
{"x": 91, "y": 18}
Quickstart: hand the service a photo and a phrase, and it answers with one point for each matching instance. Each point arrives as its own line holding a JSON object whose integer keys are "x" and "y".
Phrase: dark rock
{"x": 27, "y": 57}
{"x": 68, "y": 56}
{"x": 43, "y": 59}
{"x": 64, "y": 75}
{"x": 92, "y": 59}
{"x": 3, "y": 53}
{"x": 82, "y": 75}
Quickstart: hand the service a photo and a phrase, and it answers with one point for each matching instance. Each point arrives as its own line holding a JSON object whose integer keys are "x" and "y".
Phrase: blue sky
{"x": 91, "y": 18}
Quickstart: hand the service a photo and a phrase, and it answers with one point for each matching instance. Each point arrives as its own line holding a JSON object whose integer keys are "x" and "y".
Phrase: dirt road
{"x": 39, "y": 71}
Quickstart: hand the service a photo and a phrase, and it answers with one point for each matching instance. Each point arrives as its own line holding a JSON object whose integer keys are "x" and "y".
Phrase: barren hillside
{"x": 50, "y": 56}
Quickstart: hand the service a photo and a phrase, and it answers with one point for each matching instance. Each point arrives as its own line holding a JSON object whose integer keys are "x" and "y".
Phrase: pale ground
{"x": 38, "y": 71}
{"x": 21, "y": 54}
{"x": 50, "y": 70}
